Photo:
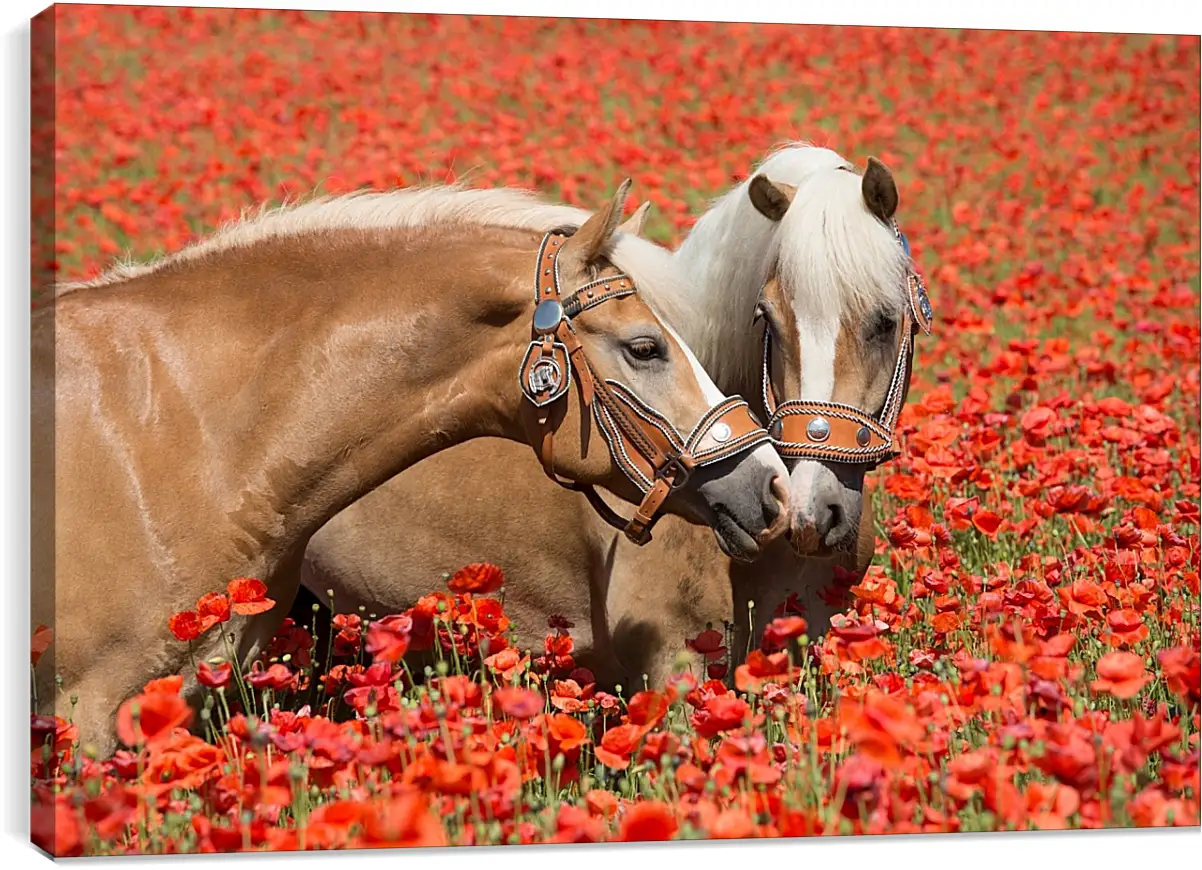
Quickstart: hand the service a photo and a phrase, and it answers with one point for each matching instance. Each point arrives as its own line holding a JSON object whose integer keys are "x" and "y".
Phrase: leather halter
{"x": 642, "y": 441}
{"x": 836, "y": 433}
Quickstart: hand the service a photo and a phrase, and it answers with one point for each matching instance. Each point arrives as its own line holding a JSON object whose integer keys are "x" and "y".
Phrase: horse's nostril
{"x": 830, "y": 516}
{"x": 836, "y": 515}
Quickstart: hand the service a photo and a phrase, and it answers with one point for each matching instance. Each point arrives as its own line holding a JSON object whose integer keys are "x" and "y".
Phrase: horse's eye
{"x": 882, "y": 326}
{"x": 644, "y": 349}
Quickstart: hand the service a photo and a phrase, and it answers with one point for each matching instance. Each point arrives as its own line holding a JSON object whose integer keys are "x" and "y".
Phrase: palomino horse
{"x": 832, "y": 274}
{"x": 212, "y": 410}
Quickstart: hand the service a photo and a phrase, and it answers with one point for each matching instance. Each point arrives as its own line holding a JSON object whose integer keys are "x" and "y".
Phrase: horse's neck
{"x": 334, "y": 370}
{"x": 725, "y": 259}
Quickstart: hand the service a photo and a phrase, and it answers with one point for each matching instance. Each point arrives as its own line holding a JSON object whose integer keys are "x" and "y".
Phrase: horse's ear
{"x": 590, "y": 242}
{"x": 770, "y": 198}
{"x": 636, "y": 222}
{"x": 880, "y": 193}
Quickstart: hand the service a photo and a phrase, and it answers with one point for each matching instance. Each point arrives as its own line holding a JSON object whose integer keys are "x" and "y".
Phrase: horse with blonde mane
{"x": 806, "y": 250}
{"x": 212, "y": 410}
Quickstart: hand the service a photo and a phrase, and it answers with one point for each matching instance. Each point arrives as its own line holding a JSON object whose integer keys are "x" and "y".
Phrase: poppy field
{"x": 1023, "y": 652}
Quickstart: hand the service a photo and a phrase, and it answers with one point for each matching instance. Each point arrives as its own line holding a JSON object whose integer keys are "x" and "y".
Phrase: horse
{"x": 213, "y": 409}
{"x": 812, "y": 245}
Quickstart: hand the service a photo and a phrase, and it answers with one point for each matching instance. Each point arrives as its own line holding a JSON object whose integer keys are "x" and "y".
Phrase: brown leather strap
{"x": 642, "y": 442}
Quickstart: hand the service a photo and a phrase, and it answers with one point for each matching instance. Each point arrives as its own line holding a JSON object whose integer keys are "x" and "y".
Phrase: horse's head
{"x": 838, "y": 321}
{"x": 648, "y": 399}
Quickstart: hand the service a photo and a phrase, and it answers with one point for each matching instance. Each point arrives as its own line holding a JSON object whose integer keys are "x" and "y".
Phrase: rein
{"x": 642, "y": 441}
{"x": 836, "y": 433}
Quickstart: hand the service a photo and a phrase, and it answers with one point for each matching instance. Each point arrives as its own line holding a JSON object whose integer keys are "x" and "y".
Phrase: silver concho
{"x": 863, "y": 436}
{"x": 720, "y": 433}
{"x": 545, "y": 379}
{"x": 545, "y": 376}
{"x": 818, "y": 429}
{"x": 547, "y": 316}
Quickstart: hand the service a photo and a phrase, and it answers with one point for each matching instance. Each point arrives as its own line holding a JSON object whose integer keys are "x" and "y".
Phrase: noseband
{"x": 831, "y": 432}
{"x": 656, "y": 457}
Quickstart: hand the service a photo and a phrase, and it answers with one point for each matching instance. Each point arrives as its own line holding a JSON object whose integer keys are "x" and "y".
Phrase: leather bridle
{"x": 835, "y": 433}
{"x": 656, "y": 457}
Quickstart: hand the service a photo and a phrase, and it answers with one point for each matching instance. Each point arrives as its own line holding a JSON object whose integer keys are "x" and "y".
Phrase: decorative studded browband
{"x": 643, "y": 443}
{"x": 831, "y": 432}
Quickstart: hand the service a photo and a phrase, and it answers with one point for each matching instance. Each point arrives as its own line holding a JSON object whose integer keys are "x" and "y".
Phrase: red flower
{"x": 987, "y": 523}
{"x": 647, "y": 709}
{"x": 277, "y": 677}
{"x": 1120, "y": 674}
{"x": 39, "y": 643}
{"x": 518, "y": 703}
{"x": 216, "y": 676}
{"x": 1182, "y": 667}
{"x": 479, "y": 578}
{"x": 647, "y": 821}
{"x": 149, "y": 717}
{"x": 780, "y": 631}
{"x": 721, "y": 713}
{"x": 388, "y": 638}
{"x": 618, "y": 744}
{"x": 248, "y": 596}
{"x": 880, "y": 726}
{"x": 212, "y": 609}
{"x": 172, "y": 685}
{"x": 508, "y": 663}
{"x": 54, "y": 826}
{"x": 708, "y": 643}
{"x": 184, "y": 625}
{"x": 109, "y": 812}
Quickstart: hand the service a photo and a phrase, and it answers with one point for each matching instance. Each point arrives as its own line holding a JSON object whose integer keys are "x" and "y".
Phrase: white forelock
{"x": 830, "y": 253}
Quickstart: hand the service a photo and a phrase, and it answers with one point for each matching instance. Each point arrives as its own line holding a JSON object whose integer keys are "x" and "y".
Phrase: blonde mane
{"x": 410, "y": 208}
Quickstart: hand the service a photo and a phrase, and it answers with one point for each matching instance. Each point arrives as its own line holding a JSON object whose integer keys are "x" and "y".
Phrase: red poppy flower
{"x": 212, "y": 609}
{"x": 1182, "y": 668}
{"x": 479, "y": 578}
{"x": 109, "y": 812}
{"x": 214, "y": 676}
{"x": 509, "y": 663}
{"x": 566, "y": 732}
{"x": 388, "y": 638}
{"x": 248, "y": 596}
{"x": 781, "y": 630}
{"x": 1120, "y": 674}
{"x": 39, "y": 643}
{"x": 617, "y": 745}
{"x": 648, "y": 821}
{"x": 518, "y": 703}
{"x": 407, "y": 820}
{"x": 277, "y": 677}
{"x": 647, "y": 709}
{"x": 148, "y": 717}
{"x": 172, "y": 685}
{"x": 54, "y": 826}
{"x": 709, "y": 644}
{"x": 987, "y": 523}
{"x": 184, "y": 625}
{"x": 880, "y": 726}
